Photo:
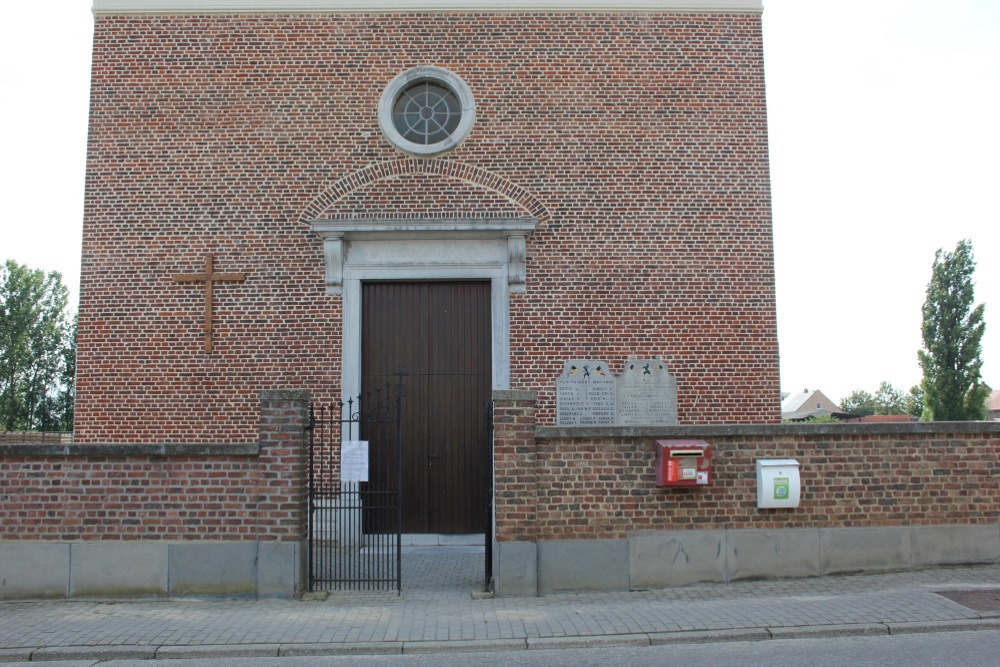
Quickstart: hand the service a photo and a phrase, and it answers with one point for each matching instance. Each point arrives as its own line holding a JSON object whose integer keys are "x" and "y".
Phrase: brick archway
{"x": 444, "y": 168}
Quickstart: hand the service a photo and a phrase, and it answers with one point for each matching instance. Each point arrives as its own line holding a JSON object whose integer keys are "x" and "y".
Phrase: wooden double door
{"x": 440, "y": 333}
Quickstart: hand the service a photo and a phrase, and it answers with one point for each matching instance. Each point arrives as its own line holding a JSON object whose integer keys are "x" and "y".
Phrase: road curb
{"x": 709, "y": 636}
{"x": 468, "y": 645}
{"x": 944, "y": 626}
{"x": 99, "y": 653}
{"x": 347, "y": 648}
{"x": 104, "y": 653}
{"x": 15, "y": 654}
{"x": 587, "y": 641}
{"x": 218, "y": 651}
{"x": 817, "y": 631}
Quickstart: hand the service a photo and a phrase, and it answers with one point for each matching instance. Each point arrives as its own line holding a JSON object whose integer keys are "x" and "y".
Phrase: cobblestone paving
{"x": 430, "y": 571}
{"x": 444, "y": 570}
{"x": 441, "y": 613}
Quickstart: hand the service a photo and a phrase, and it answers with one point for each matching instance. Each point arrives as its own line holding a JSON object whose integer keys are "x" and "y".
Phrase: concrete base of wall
{"x": 583, "y": 565}
{"x": 515, "y": 569}
{"x": 680, "y": 557}
{"x": 151, "y": 569}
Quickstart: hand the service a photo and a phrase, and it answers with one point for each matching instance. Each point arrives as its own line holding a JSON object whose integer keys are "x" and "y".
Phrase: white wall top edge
{"x": 364, "y": 6}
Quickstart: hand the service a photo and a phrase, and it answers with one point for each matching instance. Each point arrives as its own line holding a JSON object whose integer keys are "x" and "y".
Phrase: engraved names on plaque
{"x": 647, "y": 394}
{"x": 585, "y": 394}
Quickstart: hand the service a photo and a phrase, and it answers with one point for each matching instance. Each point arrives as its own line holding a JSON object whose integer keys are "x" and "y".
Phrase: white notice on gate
{"x": 354, "y": 461}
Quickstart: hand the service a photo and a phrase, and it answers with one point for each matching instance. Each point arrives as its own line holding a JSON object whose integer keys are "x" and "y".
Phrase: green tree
{"x": 859, "y": 403}
{"x": 915, "y": 401}
{"x": 952, "y": 335}
{"x": 36, "y": 340}
{"x": 65, "y": 401}
{"x": 889, "y": 400}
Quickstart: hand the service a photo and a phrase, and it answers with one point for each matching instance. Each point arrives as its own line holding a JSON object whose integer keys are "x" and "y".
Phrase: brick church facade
{"x": 288, "y": 201}
{"x": 614, "y": 180}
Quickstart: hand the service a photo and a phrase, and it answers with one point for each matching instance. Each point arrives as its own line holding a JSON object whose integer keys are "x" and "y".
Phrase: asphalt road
{"x": 970, "y": 649}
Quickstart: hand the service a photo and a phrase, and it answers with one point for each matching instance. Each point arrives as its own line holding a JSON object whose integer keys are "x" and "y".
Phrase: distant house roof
{"x": 808, "y": 401}
{"x": 994, "y": 402}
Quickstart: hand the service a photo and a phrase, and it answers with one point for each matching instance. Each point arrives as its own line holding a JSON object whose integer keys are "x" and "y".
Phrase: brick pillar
{"x": 515, "y": 568}
{"x": 282, "y": 506}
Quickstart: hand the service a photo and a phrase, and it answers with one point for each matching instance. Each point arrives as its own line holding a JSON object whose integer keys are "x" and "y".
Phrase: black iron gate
{"x": 488, "y": 533}
{"x": 355, "y": 510}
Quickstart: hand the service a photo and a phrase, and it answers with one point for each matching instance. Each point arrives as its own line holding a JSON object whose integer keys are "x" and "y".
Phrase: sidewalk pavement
{"x": 423, "y": 621}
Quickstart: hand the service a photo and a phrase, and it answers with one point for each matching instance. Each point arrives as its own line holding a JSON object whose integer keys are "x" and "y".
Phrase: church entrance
{"x": 440, "y": 333}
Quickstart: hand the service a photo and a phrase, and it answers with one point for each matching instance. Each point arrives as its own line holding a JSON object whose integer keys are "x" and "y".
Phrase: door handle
{"x": 430, "y": 459}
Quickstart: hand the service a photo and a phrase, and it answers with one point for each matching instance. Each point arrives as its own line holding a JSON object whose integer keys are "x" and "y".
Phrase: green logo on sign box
{"x": 781, "y": 488}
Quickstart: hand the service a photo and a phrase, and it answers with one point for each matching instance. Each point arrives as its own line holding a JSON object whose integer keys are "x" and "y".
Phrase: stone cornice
{"x": 936, "y": 430}
{"x": 126, "y": 450}
{"x": 102, "y": 7}
{"x": 335, "y": 232}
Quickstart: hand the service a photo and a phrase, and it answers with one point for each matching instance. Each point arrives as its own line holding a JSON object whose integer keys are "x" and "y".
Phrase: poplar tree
{"x": 952, "y": 336}
{"x": 36, "y": 337}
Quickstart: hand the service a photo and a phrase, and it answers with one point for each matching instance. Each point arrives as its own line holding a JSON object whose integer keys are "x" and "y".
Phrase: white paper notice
{"x": 354, "y": 461}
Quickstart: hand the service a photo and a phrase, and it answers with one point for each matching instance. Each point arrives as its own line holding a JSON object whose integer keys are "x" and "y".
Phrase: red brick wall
{"x": 516, "y": 468}
{"x": 640, "y": 138}
{"x": 851, "y": 476}
{"x": 171, "y": 493}
{"x": 84, "y": 498}
{"x": 606, "y": 487}
{"x": 35, "y": 436}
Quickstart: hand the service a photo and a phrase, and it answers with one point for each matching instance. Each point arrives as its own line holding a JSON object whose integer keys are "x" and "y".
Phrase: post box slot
{"x": 683, "y": 463}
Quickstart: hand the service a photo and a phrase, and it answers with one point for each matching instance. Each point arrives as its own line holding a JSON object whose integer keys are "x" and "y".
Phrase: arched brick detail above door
{"x": 326, "y": 203}
{"x": 423, "y": 196}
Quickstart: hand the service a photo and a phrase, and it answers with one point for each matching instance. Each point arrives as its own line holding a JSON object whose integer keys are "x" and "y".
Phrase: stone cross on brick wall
{"x": 209, "y": 277}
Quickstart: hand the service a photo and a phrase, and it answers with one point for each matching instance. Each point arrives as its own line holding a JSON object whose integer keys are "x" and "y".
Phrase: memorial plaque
{"x": 585, "y": 394}
{"x": 647, "y": 394}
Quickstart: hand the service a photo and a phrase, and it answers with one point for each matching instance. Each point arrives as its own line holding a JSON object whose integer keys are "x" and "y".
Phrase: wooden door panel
{"x": 441, "y": 334}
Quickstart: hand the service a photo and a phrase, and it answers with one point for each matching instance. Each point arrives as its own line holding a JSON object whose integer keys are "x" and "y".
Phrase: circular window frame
{"x": 441, "y": 77}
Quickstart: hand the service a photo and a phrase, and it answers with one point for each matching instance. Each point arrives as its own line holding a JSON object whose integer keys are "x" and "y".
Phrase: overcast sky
{"x": 884, "y": 123}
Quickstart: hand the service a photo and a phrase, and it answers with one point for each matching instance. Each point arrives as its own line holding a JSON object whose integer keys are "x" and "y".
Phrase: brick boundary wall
{"x": 166, "y": 491}
{"x": 67, "y": 496}
{"x": 46, "y": 437}
{"x": 283, "y": 466}
{"x": 603, "y": 486}
{"x": 514, "y": 463}
{"x": 577, "y": 485}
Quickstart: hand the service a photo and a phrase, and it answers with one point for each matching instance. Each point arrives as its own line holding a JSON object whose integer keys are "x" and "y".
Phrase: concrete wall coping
{"x": 514, "y": 395}
{"x": 269, "y": 395}
{"x": 126, "y": 450}
{"x": 723, "y": 430}
{"x": 367, "y": 6}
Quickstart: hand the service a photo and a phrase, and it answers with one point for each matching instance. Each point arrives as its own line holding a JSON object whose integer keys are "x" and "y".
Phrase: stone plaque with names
{"x": 585, "y": 394}
{"x": 647, "y": 394}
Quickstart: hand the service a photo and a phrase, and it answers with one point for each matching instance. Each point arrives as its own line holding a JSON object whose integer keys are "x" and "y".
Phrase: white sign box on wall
{"x": 778, "y": 483}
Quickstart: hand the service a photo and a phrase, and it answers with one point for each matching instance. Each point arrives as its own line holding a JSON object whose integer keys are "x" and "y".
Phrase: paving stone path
{"x": 446, "y": 617}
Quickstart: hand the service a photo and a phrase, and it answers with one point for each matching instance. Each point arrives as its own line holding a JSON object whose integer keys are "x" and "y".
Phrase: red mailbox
{"x": 683, "y": 463}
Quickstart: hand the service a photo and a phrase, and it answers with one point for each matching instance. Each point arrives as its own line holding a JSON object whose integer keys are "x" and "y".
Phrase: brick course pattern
{"x": 84, "y": 498}
{"x": 515, "y": 465}
{"x": 35, "y": 437}
{"x": 605, "y": 487}
{"x": 166, "y": 495}
{"x": 637, "y": 140}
